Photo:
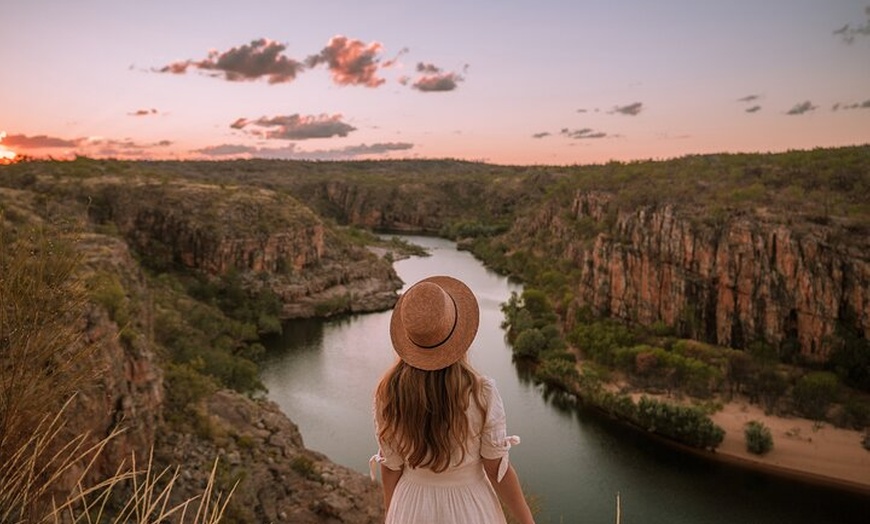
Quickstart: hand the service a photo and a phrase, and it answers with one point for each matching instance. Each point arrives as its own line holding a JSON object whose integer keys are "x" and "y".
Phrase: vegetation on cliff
{"x": 50, "y": 364}
{"x": 144, "y": 301}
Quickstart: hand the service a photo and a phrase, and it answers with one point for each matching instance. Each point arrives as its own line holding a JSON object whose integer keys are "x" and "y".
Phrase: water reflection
{"x": 304, "y": 334}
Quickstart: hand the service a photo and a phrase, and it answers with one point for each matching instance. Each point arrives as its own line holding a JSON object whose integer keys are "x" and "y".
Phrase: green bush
{"x": 529, "y": 344}
{"x": 107, "y": 290}
{"x": 599, "y": 340}
{"x": 685, "y": 424}
{"x": 814, "y": 392}
{"x": 558, "y": 372}
{"x": 758, "y": 438}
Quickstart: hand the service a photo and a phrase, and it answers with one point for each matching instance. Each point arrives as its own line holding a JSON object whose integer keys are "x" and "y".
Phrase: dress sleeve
{"x": 386, "y": 455}
{"x": 495, "y": 443}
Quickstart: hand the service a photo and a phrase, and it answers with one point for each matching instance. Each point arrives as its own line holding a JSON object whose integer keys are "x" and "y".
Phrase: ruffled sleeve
{"x": 385, "y": 456}
{"x": 495, "y": 443}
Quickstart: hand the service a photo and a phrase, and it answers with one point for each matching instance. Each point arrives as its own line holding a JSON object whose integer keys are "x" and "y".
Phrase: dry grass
{"x": 44, "y": 360}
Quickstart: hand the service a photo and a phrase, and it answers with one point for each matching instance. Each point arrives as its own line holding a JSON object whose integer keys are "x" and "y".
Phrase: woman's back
{"x": 462, "y": 492}
{"x": 441, "y": 429}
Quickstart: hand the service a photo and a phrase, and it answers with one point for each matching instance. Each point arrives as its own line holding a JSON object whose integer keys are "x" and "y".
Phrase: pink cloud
{"x": 433, "y": 79}
{"x": 143, "y": 112}
{"x": 351, "y": 62}
{"x": 39, "y": 141}
{"x": 261, "y": 58}
{"x": 296, "y": 127}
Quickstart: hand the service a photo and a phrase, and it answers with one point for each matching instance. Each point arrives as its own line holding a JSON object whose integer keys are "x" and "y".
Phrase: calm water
{"x": 323, "y": 374}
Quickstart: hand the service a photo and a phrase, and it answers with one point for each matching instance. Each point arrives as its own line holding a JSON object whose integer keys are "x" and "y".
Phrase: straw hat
{"x": 434, "y": 323}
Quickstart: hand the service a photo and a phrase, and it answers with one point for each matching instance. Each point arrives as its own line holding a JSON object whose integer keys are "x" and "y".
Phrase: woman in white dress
{"x": 443, "y": 445}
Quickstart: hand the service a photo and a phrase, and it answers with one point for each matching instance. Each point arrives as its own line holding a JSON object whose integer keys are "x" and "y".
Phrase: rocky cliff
{"x": 269, "y": 237}
{"x": 279, "y": 479}
{"x": 119, "y": 225}
{"x": 127, "y": 392}
{"x": 740, "y": 279}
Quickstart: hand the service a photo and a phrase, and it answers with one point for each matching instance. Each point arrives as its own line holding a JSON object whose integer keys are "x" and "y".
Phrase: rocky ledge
{"x": 278, "y": 479}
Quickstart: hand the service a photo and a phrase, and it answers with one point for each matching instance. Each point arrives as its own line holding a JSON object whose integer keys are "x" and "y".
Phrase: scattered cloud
{"x": 351, "y": 62}
{"x": 88, "y": 146}
{"x": 295, "y": 127}
{"x": 583, "y": 133}
{"x": 393, "y": 61}
{"x": 289, "y": 152}
{"x": 261, "y": 58}
{"x": 754, "y": 108}
{"x": 858, "y": 105}
{"x": 120, "y": 148}
{"x": 582, "y": 110}
{"x": 541, "y": 135}
{"x": 429, "y": 69}
{"x": 434, "y": 79}
{"x": 631, "y": 109}
{"x": 849, "y": 33}
{"x": 39, "y": 141}
{"x": 374, "y": 149}
{"x": 801, "y": 108}
{"x": 143, "y": 112}
{"x": 228, "y": 150}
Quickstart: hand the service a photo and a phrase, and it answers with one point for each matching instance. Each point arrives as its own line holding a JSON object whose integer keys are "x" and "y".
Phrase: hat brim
{"x": 456, "y": 345}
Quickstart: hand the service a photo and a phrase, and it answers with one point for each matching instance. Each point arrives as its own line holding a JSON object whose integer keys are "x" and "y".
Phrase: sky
{"x": 502, "y": 81}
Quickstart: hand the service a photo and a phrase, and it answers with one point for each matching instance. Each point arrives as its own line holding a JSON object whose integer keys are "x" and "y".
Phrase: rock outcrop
{"x": 279, "y": 479}
{"x": 740, "y": 280}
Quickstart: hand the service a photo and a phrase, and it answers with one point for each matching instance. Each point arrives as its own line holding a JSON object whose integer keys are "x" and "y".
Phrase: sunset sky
{"x": 501, "y": 81}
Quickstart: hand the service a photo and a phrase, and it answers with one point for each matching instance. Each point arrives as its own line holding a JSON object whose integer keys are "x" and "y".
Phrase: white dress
{"x": 462, "y": 493}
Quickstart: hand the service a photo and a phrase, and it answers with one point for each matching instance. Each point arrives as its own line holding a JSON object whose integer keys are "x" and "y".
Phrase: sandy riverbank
{"x": 824, "y": 454}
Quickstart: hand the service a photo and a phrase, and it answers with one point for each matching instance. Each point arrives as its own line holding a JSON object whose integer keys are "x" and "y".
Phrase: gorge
{"x": 744, "y": 250}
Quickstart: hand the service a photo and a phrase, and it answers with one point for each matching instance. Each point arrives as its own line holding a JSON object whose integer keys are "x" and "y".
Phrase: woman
{"x": 443, "y": 446}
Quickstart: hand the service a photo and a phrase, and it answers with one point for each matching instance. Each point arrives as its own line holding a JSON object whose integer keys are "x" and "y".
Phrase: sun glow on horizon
{"x": 6, "y": 155}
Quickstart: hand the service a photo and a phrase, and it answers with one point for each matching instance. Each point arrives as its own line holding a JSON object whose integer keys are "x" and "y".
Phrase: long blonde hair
{"x": 423, "y": 413}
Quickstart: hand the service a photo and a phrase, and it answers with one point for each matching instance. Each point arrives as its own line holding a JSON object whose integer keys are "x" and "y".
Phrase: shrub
{"x": 558, "y": 372}
{"x": 599, "y": 340}
{"x": 758, "y": 438}
{"x": 529, "y": 344}
{"x": 814, "y": 393}
{"x": 107, "y": 290}
{"x": 856, "y": 413}
{"x": 685, "y": 424}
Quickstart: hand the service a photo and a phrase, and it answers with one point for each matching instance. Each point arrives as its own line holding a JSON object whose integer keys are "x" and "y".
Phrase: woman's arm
{"x": 389, "y": 479}
{"x": 509, "y": 491}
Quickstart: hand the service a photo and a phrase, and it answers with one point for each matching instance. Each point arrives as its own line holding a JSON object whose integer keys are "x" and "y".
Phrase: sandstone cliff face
{"x": 730, "y": 283}
{"x": 268, "y": 236}
{"x": 127, "y": 390}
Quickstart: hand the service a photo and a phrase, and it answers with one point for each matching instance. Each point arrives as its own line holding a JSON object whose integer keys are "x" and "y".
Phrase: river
{"x": 323, "y": 373}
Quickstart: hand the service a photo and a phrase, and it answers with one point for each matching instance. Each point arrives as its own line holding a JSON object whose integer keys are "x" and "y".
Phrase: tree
{"x": 530, "y": 343}
{"x": 758, "y": 438}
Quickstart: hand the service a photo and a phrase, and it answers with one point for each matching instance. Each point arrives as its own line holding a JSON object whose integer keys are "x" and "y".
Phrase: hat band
{"x": 452, "y": 328}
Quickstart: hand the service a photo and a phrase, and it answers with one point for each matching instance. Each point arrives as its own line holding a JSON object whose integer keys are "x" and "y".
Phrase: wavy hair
{"x": 423, "y": 413}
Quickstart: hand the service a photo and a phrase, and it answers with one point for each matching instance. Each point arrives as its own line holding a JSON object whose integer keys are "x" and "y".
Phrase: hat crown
{"x": 434, "y": 322}
{"x": 429, "y": 314}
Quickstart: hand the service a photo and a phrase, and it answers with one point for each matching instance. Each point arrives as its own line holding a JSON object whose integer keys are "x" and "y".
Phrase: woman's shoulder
{"x": 487, "y": 385}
